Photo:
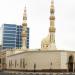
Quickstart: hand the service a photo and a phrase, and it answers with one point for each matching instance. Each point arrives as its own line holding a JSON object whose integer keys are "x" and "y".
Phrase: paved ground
{"x": 23, "y": 73}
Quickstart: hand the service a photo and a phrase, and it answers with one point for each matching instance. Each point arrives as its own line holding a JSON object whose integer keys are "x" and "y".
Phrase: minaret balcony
{"x": 24, "y": 24}
{"x": 52, "y": 29}
{"x": 24, "y": 34}
{"x": 24, "y": 18}
{"x": 51, "y": 10}
{"x": 52, "y": 17}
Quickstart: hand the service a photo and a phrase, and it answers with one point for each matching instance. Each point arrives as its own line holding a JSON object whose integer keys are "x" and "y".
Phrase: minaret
{"x": 24, "y": 30}
{"x": 52, "y": 29}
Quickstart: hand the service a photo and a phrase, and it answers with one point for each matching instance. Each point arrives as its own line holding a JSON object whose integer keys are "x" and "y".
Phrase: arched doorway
{"x": 70, "y": 64}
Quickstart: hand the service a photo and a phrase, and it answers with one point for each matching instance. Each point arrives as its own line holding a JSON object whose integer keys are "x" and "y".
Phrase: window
{"x": 27, "y": 40}
{"x": 9, "y": 31}
{"x": 9, "y": 28}
{"x": 9, "y": 41}
{"x": 15, "y": 63}
{"x": 9, "y": 45}
{"x": 9, "y": 38}
{"x": 9, "y": 64}
{"x": 23, "y": 63}
{"x": 20, "y": 63}
{"x": 9, "y": 35}
{"x": 9, "y": 25}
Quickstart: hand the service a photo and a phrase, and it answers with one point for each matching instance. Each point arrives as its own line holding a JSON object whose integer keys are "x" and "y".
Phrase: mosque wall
{"x": 64, "y": 60}
{"x": 34, "y": 60}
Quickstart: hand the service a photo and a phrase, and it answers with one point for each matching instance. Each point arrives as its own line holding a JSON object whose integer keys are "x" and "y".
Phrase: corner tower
{"x": 24, "y": 30}
{"x": 52, "y": 28}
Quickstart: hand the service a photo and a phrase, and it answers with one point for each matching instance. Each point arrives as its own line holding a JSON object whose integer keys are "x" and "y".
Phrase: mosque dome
{"x": 45, "y": 42}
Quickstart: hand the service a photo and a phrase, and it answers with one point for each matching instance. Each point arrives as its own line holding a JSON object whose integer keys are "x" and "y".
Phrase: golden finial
{"x": 52, "y": 6}
{"x": 25, "y": 15}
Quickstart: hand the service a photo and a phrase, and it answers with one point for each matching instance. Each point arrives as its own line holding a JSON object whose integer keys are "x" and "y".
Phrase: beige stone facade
{"x": 26, "y": 60}
{"x": 42, "y": 59}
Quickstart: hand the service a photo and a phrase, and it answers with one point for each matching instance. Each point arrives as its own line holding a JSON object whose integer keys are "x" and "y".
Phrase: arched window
{"x": 20, "y": 63}
{"x": 15, "y": 63}
{"x": 71, "y": 59}
{"x": 23, "y": 63}
{"x": 9, "y": 63}
{"x": 70, "y": 63}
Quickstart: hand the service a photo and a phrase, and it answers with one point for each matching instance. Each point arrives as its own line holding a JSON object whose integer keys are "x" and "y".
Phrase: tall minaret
{"x": 24, "y": 30}
{"x": 52, "y": 29}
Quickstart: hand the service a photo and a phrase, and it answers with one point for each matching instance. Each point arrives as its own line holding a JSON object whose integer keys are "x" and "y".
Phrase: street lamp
{"x": 34, "y": 67}
{"x": 51, "y": 65}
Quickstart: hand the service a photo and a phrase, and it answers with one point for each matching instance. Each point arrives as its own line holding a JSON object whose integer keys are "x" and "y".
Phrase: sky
{"x": 38, "y": 12}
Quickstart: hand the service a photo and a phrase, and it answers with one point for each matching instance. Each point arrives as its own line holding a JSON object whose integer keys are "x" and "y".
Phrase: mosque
{"x": 47, "y": 58}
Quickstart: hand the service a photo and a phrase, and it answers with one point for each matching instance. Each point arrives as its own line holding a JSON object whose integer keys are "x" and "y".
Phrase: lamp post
{"x": 34, "y": 67}
{"x": 50, "y": 65}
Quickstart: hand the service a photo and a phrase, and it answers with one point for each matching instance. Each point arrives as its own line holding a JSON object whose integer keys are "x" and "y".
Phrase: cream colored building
{"x": 47, "y": 58}
{"x": 56, "y": 60}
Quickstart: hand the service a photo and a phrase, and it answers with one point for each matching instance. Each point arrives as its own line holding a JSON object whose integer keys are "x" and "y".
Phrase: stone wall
{"x": 35, "y": 60}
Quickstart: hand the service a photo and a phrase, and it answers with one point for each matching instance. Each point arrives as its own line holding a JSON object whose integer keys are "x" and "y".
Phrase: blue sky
{"x": 38, "y": 12}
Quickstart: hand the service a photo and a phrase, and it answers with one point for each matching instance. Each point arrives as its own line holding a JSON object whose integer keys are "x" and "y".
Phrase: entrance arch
{"x": 70, "y": 63}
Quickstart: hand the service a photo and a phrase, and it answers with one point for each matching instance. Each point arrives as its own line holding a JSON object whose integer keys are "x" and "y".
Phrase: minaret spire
{"x": 25, "y": 16}
{"x": 24, "y": 30}
{"x": 52, "y": 29}
{"x": 52, "y": 17}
